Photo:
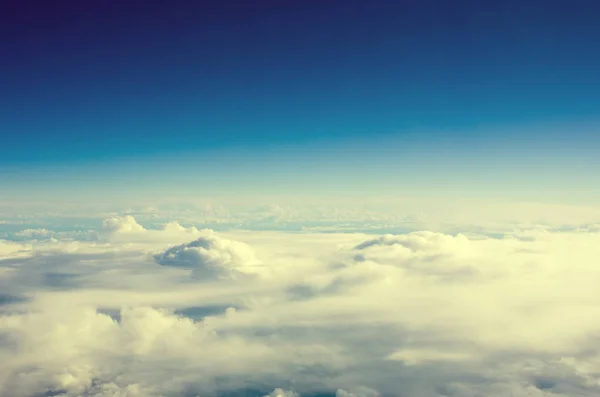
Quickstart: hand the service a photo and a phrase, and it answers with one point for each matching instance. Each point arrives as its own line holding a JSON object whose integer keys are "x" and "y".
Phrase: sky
{"x": 307, "y": 96}
{"x": 279, "y": 198}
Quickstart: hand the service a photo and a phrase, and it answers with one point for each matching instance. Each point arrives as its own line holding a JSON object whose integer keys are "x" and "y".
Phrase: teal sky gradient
{"x": 335, "y": 97}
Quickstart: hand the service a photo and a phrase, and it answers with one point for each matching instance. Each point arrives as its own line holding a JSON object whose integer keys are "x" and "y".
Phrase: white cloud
{"x": 127, "y": 229}
{"x": 34, "y": 233}
{"x": 212, "y": 256}
{"x": 70, "y": 349}
{"x": 377, "y": 214}
{"x": 122, "y": 224}
{"x": 421, "y": 314}
{"x": 10, "y": 249}
{"x": 282, "y": 393}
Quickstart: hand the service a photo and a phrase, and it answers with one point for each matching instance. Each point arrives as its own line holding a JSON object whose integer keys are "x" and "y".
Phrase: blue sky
{"x": 350, "y": 91}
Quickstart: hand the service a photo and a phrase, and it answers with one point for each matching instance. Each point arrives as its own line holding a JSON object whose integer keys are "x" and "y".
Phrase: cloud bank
{"x": 182, "y": 311}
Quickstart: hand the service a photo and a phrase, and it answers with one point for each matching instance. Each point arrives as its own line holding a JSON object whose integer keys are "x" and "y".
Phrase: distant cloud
{"x": 282, "y": 393}
{"x": 122, "y": 224}
{"x": 358, "y": 392}
{"x": 34, "y": 233}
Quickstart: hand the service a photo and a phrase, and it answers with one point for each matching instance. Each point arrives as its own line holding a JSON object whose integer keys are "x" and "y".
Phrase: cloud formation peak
{"x": 213, "y": 257}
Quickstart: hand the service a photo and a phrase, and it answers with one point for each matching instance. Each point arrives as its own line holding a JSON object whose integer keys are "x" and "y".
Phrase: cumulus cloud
{"x": 212, "y": 256}
{"x": 277, "y": 314}
{"x": 83, "y": 346}
{"x": 122, "y": 224}
{"x": 282, "y": 393}
{"x": 425, "y": 253}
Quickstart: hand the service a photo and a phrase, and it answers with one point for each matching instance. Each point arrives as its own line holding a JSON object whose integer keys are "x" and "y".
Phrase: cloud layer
{"x": 181, "y": 311}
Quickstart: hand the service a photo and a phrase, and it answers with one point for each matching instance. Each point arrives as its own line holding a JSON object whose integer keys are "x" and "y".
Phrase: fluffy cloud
{"x": 282, "y": 393}
{"x": 128, "y": 225}
{"x": 122, "y": 224}
{"x": 10, "y": 249}
{"x": 425, "y": 253}
{"x": 211, "y": 257}
{"x": 81, "y": 346}
{"x": 277, "y": 314}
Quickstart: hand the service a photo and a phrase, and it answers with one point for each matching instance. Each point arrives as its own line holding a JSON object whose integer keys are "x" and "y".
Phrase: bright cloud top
{"x": 189, "y": 312}
{"x": 212, "y": 256}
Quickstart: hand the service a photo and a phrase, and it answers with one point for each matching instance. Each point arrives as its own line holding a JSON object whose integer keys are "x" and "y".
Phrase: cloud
{"x": 420, "y": 314}
{"x": 10, "y": 249}
{"x": 34, "y": 233}
{"x": 424, "y": 253}
{"x": 357, "y": 392}
{"x": 213, "y": 257}
{"x": 122, "y": 224}
{"x": 127, "y": 229}
{"x": 418, "y": 356}
{"x": 80, "y": 348}
{"x": 282, "y": 393}
{"x": 78, "y": 345}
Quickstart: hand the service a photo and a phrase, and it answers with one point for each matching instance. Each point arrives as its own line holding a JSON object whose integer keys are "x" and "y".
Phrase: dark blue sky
{"x": 97, "y": 80}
